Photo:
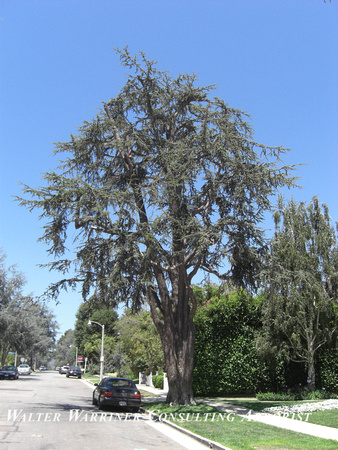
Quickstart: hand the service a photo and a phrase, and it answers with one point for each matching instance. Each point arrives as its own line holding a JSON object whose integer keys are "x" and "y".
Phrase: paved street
{"x": 46, "y": 410}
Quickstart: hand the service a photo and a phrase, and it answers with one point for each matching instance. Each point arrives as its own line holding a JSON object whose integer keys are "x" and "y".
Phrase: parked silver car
{"x": 63, "y": 370}
{"x": 24, "y": 369}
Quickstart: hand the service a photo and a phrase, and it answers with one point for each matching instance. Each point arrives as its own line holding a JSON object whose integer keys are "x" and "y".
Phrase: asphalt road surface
{"x": 46, "y": 410}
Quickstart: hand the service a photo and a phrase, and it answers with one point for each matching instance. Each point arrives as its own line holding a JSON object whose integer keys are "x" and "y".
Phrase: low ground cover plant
{"x": 303, "y": 407}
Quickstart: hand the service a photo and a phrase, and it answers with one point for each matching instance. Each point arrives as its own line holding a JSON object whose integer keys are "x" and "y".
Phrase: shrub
{"x": 226, "y": 360}
{"x": 328, "y": 369}
{"x": 158, "y": 381}
{"x": 319, "y": 395}
{"x": 292, "y": 396}
{"x": 275, "y": 396}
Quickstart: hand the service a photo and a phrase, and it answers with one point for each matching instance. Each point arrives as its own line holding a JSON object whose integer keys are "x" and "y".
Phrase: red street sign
{"x": 79, "y": 359}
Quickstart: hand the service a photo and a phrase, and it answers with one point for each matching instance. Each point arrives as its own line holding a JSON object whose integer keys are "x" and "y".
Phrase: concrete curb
{"x": 207, "y": 442}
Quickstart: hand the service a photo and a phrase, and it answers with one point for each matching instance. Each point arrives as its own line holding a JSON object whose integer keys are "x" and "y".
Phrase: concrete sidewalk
{"x": 299, "y": 426}
{"x": 157, "y": 392}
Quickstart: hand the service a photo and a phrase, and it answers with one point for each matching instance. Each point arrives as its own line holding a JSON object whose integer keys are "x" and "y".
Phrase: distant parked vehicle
{"x": 119, "y": 392}
{"x": 74, "y": 372}
{"x": 63, "y": 370}
{"x": 24, "y": 369}
{"x": 9, "y": 373}
{"x": 41, "y": 368}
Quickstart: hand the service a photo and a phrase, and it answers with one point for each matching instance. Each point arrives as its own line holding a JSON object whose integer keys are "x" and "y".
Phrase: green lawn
{"x": 237, "y": 432}
{"x": 92, "y": 378}
{"x": 327, "y": 418}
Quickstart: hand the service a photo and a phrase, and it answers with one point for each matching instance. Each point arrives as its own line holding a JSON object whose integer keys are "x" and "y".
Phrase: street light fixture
{"x": 102, "y": 342}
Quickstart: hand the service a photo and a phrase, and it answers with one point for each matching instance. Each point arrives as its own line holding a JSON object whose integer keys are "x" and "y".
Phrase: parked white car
{"x": 24, "y": 369}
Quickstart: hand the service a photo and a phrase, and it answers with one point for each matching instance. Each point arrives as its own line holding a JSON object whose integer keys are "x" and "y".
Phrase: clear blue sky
{"x": 276, "y": 60}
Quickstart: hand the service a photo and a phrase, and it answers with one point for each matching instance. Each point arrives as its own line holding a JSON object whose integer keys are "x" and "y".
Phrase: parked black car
{"x": 74, "y": 372}
{"x": 118, "y": 392}
{"x": 8, "y": 373}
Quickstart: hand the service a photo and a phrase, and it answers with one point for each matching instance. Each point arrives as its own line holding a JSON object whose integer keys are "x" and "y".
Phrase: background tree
{"x": 88, "y": 338}
{"x": 163, "y": 183}
{"x": 301, "y": 284}
{"x": 64, "y": 350}
{"x": 26, "y": 324}
{"x": 37, "y": 333}
{"x": 140, "y": 341}
{"x": 11, "y": 298}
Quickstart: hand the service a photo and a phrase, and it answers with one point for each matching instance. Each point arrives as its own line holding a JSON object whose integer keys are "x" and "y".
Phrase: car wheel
{"x": 67, "y": 376}
{"x": 135, "y": 410}
{"x": 94, "y": 401}
{"x": 79, "y": 376}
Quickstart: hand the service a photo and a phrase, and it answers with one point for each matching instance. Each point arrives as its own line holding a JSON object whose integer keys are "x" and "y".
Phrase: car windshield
{"x": 23, "y": 366}
{"x": 9, "y": 368}
{"x": 118, "y": 383}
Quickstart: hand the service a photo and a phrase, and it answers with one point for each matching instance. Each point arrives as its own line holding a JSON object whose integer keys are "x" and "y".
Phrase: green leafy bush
{"x": 291, "y": 396}
{"x": 276, "y": 396}
{"x": 327, "y": 369}
{"x": 319, "y": 395}
{"x": 226, "y": 361}
{"x": 158, "y": 381}
{"x": 226, "y": 358}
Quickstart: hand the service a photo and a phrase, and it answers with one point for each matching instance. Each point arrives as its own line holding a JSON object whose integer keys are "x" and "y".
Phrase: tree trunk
{"x": 4, "y": 356}
{"x": 178, "y": 346}
{"x": 311, "y": 373}
{"x": 177, "y": 331}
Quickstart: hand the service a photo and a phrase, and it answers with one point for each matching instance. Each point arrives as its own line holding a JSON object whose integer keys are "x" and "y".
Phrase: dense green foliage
{"x": 65, "y": 349}
{"x": 27, "y": 326}
{"x": 300, "y": 281}
{"x": 88, "y": 339}
{"x": 140, "y": 342}
{"x": 226, "y": 361}
{"x": 158, "y": 381}
{"x": 327, "y": 368}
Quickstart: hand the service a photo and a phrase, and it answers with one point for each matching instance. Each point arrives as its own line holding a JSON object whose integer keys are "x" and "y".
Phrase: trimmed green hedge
{"x": 327, "y": 369}
{"x": 226, "y": 361}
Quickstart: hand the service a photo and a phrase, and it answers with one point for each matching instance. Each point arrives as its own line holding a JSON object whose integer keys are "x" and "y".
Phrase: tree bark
{"x": 179, "y": 358}
{"x": 177, "y": 334}
{"x": 311, "y": 372}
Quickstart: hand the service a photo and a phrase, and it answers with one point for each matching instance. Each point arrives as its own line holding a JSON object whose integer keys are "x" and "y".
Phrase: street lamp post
{"x": 102, "y": 342}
